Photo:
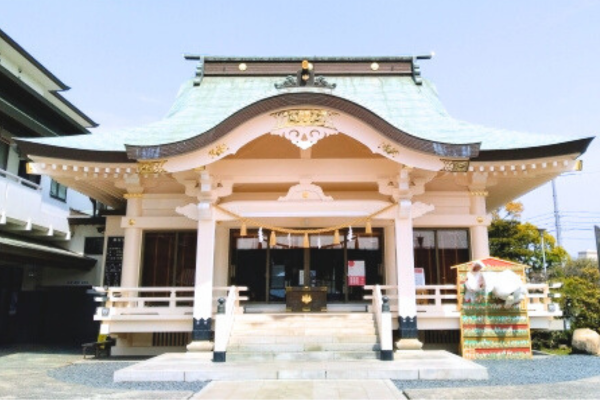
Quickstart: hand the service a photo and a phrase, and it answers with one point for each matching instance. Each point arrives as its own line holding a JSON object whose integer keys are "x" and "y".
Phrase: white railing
{"x": 19, "y": 180}
{"x": 541, "y": 297}
{"x": 436, "y": 300}
{"x": 383, "y": 317}
{"x": 442, "y": 300}
{"x": 225, "y": 317}
{"x": 131, "y": 303}
{"x": 22, "y": 204}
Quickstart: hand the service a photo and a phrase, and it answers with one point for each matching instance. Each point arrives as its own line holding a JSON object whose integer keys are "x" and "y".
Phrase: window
{"x": 93, "y": 246}
{"x": 4, "y": 149}
{"x": 437, "y": 250}
{"x": 58, "y": 191}
{"x": 25, "y": 175}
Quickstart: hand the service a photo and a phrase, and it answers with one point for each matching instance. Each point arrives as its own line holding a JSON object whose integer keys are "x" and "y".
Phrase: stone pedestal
{"x": 409, "y": 344}
{"x": 200, "y": 346}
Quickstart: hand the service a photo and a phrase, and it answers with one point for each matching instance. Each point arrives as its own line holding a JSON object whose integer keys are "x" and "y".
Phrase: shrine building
{"x": 334, "y": 177}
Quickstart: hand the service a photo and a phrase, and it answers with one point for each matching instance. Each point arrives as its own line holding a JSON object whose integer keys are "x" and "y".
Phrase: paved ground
{"x": 33, "y": 374}
{"x": 301, "y": 389}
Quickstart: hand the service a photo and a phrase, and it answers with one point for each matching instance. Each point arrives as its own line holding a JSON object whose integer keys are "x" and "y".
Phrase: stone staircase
{"x": 303, "y": 337}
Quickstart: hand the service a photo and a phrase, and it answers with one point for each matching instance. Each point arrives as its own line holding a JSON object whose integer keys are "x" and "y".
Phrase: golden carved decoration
{"x": 133, "y": 196}
{"x": 388, "y": 149}
{"x": 480, "y": 219}
{"x": 304, "y": 117}
{"x": 151, "y": 167}
{"x": 218, "y": 150}
{"x": 131, "y": 222}
{"x": 305, "y": 195}
{"x": 482, "y": 193}
{"x": 456, "y": 165}
{"x": 306, "y": 298}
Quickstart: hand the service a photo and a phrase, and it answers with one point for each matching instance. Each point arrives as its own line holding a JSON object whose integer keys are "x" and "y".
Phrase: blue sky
{"x": 530, "y": 66}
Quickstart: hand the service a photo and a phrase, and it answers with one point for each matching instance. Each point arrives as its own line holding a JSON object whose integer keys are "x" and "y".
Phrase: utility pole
{"x": 597, "y": 233}
{"x": 556, "y": 214}
{"x": 543, "y": 245}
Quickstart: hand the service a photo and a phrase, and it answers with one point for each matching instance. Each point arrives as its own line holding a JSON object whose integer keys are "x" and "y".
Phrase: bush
{"x": 549, "y": 339}
{"x": 585, "y": 302}
{"x": 581, "y": 287}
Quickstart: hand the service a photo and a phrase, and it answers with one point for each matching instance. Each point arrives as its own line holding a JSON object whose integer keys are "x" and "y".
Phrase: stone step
{"x": 348, "y": 338}
{"x": 303, "y": 356}
{"x": 304, "y": 331}
{"x": 300, "y": 347}
{"x": 408, "y": 365}
{"x": 240, "y": 325}
{"x": 305, "y": 317}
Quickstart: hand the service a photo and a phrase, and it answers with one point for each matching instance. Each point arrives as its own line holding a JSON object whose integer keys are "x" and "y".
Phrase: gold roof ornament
{"x": 218, "y": 150}
{"x": 151, "y": 167}
{"x": 304, "y": 127}
{"x": 455, "y": 165}
{"x": 388, "y": 149}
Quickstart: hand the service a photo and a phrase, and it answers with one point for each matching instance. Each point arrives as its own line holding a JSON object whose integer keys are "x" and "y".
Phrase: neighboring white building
{"x": 588, "y": 255}
{"x": 43, "y": 272}
{"x": 273, "y": 173}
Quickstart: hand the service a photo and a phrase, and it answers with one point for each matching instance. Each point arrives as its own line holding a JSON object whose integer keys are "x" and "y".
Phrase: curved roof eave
{"x": 32, "y": 148}
{"x": 448, "y": 150}
{"x": 578, "y": 146}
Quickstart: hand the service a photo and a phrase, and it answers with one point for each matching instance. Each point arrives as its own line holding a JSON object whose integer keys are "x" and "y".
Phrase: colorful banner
{"x": 356, "y": 273}
{"x": 489, "y": 329}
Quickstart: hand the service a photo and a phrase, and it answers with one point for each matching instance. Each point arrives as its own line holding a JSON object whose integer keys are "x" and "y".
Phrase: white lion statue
{"x": 505, "y": 285}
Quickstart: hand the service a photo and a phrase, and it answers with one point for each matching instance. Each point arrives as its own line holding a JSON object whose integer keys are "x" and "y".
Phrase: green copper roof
{"x": 414, "y": 109}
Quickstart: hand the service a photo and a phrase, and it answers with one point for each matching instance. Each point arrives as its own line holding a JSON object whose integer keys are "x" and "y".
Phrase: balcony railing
{"x": 23, "y": 207}
{"x": 19, "y": 180}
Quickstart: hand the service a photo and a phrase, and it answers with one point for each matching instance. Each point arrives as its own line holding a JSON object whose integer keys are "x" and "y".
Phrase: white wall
{"x": 74, "y": 277}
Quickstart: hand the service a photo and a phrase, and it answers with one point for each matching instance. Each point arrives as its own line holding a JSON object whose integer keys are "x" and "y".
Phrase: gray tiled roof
{"x": 414, "y": 109}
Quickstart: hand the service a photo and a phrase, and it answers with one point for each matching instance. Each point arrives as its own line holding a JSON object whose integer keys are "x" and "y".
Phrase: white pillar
{"x": 221, "y": 269}
{"x": 480, "y": 247}
{"x": 407, "y": 302}
{"x": 391, "y": 276}
{"x": 132, "y": 247}
{"x": 203, "y": 290}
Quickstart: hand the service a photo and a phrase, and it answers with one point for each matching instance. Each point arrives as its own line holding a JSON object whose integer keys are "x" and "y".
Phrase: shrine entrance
{"x": 342, "y": 268}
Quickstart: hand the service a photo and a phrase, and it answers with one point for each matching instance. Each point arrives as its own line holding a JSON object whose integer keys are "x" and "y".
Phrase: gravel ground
{"x": 66, "y": 366}
{"x": 99, "y": 374}
{"x": 539, "y": 370}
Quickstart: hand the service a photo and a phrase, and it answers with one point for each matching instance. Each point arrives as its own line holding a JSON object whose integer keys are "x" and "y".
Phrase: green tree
{"x": 580, "y": 281}
{"x": 514, "y": 240}
{"x": 581, "y": 285}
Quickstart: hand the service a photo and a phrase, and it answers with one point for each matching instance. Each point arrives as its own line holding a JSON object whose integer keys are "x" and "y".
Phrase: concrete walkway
{"x": 301, "y": 389}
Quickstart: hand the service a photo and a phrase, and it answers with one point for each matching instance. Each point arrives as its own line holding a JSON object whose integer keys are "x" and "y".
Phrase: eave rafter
{"x": 97, "y": 180}
{"x": 525, "y": 167}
